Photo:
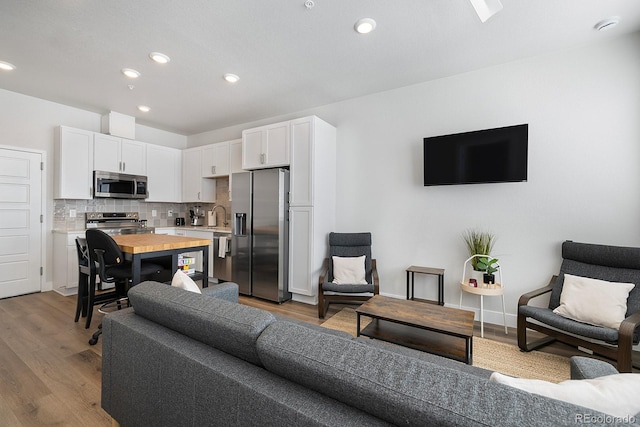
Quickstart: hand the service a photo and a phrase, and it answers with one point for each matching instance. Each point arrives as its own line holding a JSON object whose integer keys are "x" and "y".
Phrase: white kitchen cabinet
{"x": 235, "y": 156}
{"x": 312, "y": 211}
{"x": 73, "y": 163}
{"x": 164, "y": 173}
{"x": 266, "y": 146}
{"x": 313, "y": 150}
{"x": 65, "y": 262}
{"x": 113, "y": 154}
{"x": 301, "y": 251}
{"x": 195, "y": 188}
{"x": 235, "y": 162}
{"x": 215, "y": 160}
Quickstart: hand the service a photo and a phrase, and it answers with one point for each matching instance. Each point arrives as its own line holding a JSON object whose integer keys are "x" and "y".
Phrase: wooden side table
{"x": 412, "y": 270}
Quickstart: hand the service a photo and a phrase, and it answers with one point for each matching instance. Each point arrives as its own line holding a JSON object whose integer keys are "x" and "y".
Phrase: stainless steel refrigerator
{"x": 260, "y": 235}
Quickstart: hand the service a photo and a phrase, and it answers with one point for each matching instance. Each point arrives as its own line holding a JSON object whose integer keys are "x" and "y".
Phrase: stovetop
{"x": 118, "y": 222}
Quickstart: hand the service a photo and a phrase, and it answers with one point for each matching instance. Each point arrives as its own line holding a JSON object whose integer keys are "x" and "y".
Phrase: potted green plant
{"x": 489, "y": 266}
{"x": 478, "y": 243}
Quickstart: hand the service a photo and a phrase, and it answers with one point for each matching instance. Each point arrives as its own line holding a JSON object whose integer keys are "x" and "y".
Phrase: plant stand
{"x": 496, "y": 289}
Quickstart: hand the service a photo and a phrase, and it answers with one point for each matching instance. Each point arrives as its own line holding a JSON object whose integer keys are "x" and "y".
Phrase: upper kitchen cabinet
{"x": 266, "y": 146}
{"x": 235, "y": 162}
{"x": 235, "y": 156}
{"x": 164, "y": 173}
{"x": 73, "y": 159}
{"x": 113, "y": 154}
{"x": 215, "y": 160}
{"x": 195, "y": 188}
{"x": 313, "y": 155}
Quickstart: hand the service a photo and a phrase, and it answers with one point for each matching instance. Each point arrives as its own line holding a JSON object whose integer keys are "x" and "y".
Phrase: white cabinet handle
{"x": 124, "y": 166}
{"x": 213, "y": 170}
{"x": 198, "y": 195}
{"x": 262, "y": 158}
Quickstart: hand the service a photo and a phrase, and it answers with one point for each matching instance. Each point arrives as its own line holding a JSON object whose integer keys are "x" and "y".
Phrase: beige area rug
{"x": 488, "y": 354}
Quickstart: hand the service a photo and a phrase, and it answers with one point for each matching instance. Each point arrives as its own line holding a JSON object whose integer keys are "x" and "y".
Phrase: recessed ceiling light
{"x": 486, "y": 8}
{"x": 160, "y": 58}
{"x": 606, "y": 24}
{"x": 144, "y": 108}
{"x": 131, "y": 73}
{"x": 6, "y": 66}
{"x": 231, "y": 78}
{"x": 365, "y": 25}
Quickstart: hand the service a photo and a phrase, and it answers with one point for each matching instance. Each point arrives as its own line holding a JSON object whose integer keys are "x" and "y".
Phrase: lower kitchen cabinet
{"x": 301, "y": 250}
{"x": 65, "y": 262}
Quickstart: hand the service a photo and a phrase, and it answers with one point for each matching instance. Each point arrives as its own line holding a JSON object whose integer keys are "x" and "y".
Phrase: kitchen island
{"x": 144, "y": 246}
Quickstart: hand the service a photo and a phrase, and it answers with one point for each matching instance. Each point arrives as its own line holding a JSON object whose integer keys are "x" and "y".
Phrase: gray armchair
{"x": 610, "y": 263}
{"x": 347, "y": 245}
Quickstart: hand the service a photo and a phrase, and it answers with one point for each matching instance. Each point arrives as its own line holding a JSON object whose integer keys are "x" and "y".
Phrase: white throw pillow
{"x": 616, "y": 394}
{"x": 349, "y": 270}
{"x": 182, "y": 281}
{"x": 594, "y": 301}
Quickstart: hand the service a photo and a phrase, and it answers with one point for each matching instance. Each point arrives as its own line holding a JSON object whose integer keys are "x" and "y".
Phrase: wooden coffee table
{"x": 435, "y": 329}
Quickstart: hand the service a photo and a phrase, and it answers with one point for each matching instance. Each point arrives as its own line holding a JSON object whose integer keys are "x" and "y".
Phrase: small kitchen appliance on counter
{"x": 197, "y": 216}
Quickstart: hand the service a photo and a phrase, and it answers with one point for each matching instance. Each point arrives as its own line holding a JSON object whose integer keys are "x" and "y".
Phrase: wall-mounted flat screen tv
{"x": 484, "y": 156}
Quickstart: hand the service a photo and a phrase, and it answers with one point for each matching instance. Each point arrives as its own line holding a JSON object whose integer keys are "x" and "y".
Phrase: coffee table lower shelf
{"x": 438, "y": 343}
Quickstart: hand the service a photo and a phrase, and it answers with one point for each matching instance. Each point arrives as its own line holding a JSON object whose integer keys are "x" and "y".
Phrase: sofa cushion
{"x": 426, "y": 357}
{"x": 584, "y": 368}
{"x": 229, "y": 327}
{"x": 227, "y": 291}
{"x": 396, "y": 388}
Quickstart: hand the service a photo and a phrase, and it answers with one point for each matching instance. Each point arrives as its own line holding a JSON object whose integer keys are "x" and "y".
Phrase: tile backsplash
{"x": 62, "y": 209}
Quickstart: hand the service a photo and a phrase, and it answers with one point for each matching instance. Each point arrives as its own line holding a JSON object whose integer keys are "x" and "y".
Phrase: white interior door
{"x": 20, "y": 225}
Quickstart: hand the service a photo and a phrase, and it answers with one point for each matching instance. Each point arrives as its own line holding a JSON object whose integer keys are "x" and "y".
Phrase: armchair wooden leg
{"x": 624, "y": 362}
{"x": 321, "y": 305}
{"x": 522, "y": 332}
{"x": 522, "y": 337}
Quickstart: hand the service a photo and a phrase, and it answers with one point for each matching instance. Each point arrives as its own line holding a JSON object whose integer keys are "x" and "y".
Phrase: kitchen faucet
{"x": 224, "y": 210}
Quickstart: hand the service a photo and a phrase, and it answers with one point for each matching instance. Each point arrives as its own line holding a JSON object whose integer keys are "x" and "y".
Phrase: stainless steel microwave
{"x": 119, "y": 185}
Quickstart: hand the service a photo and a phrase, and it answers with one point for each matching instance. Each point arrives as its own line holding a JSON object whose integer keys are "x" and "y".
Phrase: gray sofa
{"x": 178, "y": 358}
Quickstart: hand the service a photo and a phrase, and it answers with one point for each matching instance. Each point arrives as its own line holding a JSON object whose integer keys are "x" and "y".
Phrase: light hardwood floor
{"x": 50, "y": 375}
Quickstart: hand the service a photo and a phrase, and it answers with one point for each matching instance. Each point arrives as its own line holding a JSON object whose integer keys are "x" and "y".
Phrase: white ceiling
{"x": 288, "y": 57}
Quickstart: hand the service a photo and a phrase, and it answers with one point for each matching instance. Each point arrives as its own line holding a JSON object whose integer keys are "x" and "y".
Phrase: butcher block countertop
{"x": 141, "y": 243}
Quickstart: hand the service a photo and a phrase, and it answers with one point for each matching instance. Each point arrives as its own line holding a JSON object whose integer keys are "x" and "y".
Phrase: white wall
{"x": 29, "y": 122}
{"x": 583, "y": 110}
